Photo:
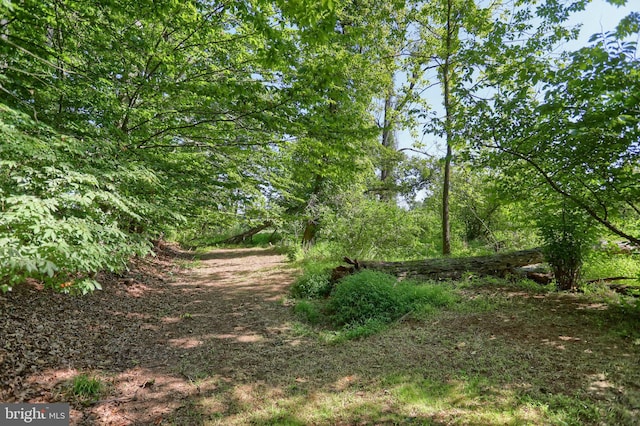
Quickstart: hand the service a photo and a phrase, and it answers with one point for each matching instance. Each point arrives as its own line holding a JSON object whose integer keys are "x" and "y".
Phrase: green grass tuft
{"x": 84, "y": 386}
{"x": 308, "y": 311}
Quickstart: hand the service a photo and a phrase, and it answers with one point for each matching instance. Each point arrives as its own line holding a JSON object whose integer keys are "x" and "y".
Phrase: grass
{"x": 85, "y": 386}
{"x": 475, "y": 352}
{"x": 603, "y": 265}
{"x": 84, "y": 389}
{"x": 313, "y": 283}
{"x": 188, "y": 263}
{"x": 413, "y": 399}
{"x": 500, "y": 353}
{"x": 362, "y": 304}
{"x": 481, "y": 351}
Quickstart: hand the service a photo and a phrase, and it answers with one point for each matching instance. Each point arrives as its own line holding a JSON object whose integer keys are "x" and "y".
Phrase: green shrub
{"x": 369, "y": 229}
{"x": 308, "y": 311}
{"x": 568, "y": 235}
{"x": 314, "y": 283}
{"x": 366, "y": 296}
{"x": 364, "y": 301}
{"x": 64, "y": 213}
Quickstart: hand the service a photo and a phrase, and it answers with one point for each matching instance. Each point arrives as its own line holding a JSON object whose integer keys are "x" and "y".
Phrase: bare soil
{"x": 152, "y": 333}
{"x": 216, "y": 343}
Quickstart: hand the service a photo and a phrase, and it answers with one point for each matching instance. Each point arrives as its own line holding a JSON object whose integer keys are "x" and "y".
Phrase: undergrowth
{"x": 364, "y": 303}
{"x": 604, "y": 265}
{"x": 313, "y": 283}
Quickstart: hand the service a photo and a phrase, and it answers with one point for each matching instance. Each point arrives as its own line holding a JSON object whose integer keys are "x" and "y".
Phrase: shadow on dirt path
{"x": 215, "y": 344}
{"x": 154, "y": 340}
{"x": 215, "y": 323}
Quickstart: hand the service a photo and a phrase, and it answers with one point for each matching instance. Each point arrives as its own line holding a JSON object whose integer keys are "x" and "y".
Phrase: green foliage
{"x": 63, "y": 219}
{"x": 353, "y": 331}
{"x": 606, "y": 265}
{"x": 369, "y": 229}
{"x": 576, "y": 136}
{"x": 424, "y": 298}
{"x": 86, "y": 387}
{"x": 568, "y": 236}
{"x": 370, "y": 298}
{"x": 487, "y": 219}
{"x": 308, "y": 311}
{"x": 125, "y": 120}
{"x": 313, "y": 283}
{"x": 363, "y": 297}
{"x": 170, "y": 118}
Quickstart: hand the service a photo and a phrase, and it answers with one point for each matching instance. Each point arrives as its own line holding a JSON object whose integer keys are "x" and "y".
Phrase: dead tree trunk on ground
{"x": 499, "y": 265}
{"x": 248, "y": 235}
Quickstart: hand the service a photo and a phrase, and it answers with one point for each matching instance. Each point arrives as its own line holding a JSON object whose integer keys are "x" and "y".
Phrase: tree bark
{"x": 309, "y": 235}
{"x": 388, "y": 141}
{"x": 500, "y": 265}
{"x": 240, "y": 238}
{"x": 446, "y": 225}
{"x": 447, "y": 71}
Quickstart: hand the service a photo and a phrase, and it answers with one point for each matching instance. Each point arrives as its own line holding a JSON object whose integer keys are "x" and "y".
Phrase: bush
{"x": 374, "y": 230}
{"x": 64, "y": 212}
{"x": 314, "y": 283}
{"x": 568, "y": 235}
{"x": 365, "y": 300}
{"x": 363, "y": 297}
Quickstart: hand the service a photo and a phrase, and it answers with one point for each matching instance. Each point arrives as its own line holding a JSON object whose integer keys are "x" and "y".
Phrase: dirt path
{"x": 215, "y": 344}
{"x": 159, "y": 341}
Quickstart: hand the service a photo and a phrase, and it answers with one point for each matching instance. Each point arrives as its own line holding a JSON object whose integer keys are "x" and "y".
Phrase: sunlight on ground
{"x": 349, "y": 399}
{"x": 403, "y": 399}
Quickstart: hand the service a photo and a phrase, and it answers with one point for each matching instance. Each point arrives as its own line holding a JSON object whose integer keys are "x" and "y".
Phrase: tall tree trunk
{"x": 447, "y": 71}
{"x": 311, "y": 227}
{"x": 309, "y": 235}
{"x": 388, "y": 140}
{"x": 446, "y": 225}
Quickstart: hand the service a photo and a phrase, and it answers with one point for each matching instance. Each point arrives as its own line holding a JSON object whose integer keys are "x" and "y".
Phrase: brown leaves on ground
{"x": 215, "y": 344}
{"x": 148, "y": 333}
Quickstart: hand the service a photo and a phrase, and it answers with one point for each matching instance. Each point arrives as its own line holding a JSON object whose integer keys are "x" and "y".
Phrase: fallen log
{"x": 500, "y": 265}
{"x": 248, "y": 235}
{"x": 625, "y": 290}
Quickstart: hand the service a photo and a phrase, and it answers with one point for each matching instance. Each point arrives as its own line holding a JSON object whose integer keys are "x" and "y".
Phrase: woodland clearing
{"x": 213, "y": 340}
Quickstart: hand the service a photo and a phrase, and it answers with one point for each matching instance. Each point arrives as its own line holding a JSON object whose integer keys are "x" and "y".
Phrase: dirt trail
{"x": 215, "y": 344}
{"x": 159, "y": 341}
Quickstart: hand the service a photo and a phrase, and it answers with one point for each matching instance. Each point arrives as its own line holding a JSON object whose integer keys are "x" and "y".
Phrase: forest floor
{"x": 215, "y": 341}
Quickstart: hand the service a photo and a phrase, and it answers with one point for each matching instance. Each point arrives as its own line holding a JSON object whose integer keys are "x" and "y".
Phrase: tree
{"x": 441, "y": 25}
{"x": 64, "y": 213}
{"x": 579, "y": 137}
{"x": 148, "y": 112}
{"x": 334, "y": 145}
{"x": 165, "y": 84}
